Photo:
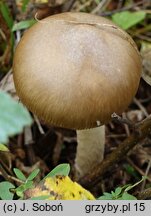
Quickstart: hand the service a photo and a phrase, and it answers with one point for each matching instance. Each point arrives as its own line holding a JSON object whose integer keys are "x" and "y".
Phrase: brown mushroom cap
{"x": 74, "y": 69}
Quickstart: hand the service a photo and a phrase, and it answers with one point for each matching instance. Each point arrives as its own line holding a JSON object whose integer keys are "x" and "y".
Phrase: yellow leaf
{"x": 3, "y": 148}
{"x": 60, "y": 188}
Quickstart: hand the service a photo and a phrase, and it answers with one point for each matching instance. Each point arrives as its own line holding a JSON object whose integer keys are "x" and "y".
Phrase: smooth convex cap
{"x": 76, "y": 69}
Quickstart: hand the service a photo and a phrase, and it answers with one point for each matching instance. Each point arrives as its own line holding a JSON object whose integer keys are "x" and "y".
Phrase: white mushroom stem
{"x": 90, "y": 149}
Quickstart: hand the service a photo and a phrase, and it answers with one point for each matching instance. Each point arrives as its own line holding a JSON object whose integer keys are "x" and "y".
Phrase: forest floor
{"x": 40, "y": 146}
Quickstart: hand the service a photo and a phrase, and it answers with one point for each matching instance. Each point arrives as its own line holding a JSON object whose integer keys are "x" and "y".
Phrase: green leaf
{"x": 132, "y": 171}
{"x": 6, "y": 14}
{"x": 22, "y": 188}
{"x": 127, "y": 196}
{"x": 23, "y": 24}
{"x": 105, "y": 196}
{"x": 44, "y": 197}
{"x": 19, "y": 174}
{"x": 5, "y": 193}
{"x": 127, "y": 19}
{"x": 28, "y": 185}
{"x": 62, "y": 169}
{"x": 24, "y": 5}
{"x": 33, "y": 174}
{"x": 118, "y": 190}
{"x": 113, "y": 194}
{"x": 20, "y": 191}
{"x": 3, "y": 148}
{"x": 13, "y": 117}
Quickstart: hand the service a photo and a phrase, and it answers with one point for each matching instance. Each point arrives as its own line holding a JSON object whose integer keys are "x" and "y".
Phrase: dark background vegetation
{"x": 40, "y": 146}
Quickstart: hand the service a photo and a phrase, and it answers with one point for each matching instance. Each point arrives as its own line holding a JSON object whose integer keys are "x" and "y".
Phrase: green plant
{"x": 5, "y": 193}
{"x": 7, "y": 44}
{"x": 27, "y": 183}
{"x": 13, "y": 117}
{"x": 127, "y": 19}
{"x": 23, "y": 24}
{"x": 121, "y": 193}
{"x": 62, "y": 169}
{"x": 6, "y": 14}
{"x": 8, "y": 190}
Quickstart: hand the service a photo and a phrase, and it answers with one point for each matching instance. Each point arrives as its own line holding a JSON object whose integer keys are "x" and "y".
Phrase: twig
{"x": 4, "y": 173}
{"x": 9, "y": 177}
{"x": 137, "y": 169}
{"x": 28, "y": 138}
{"x": 110, "y": 13}
{"x": 4, "y": 80}
{"x": 83, "y": 6}
{"x": 127, "y": 130}
{"x": 101, "y": 6}
{"x": 116, "y": 135}
{"x": 3, "y": 35}
{"x": 5, "y": 167}
{"x": 118, "y": 119}
{"x": 12, "y": 178}
{"x": 145, "y": 100}
{"x": 144, "y": 37}
{"x": 146, "y": 174}
{"x": 68, "y": 5}
{"x": 142, "y": 108}
{"x": 39, "y": 125}
{"x": 28, "y": 142}
{"x": 95, "y": 175}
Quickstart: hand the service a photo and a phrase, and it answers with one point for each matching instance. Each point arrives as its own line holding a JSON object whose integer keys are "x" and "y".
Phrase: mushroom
{"x": 74, "y": 70}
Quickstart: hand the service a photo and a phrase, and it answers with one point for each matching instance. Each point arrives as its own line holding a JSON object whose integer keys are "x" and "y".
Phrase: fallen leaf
{"x": 60, "y": 188}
